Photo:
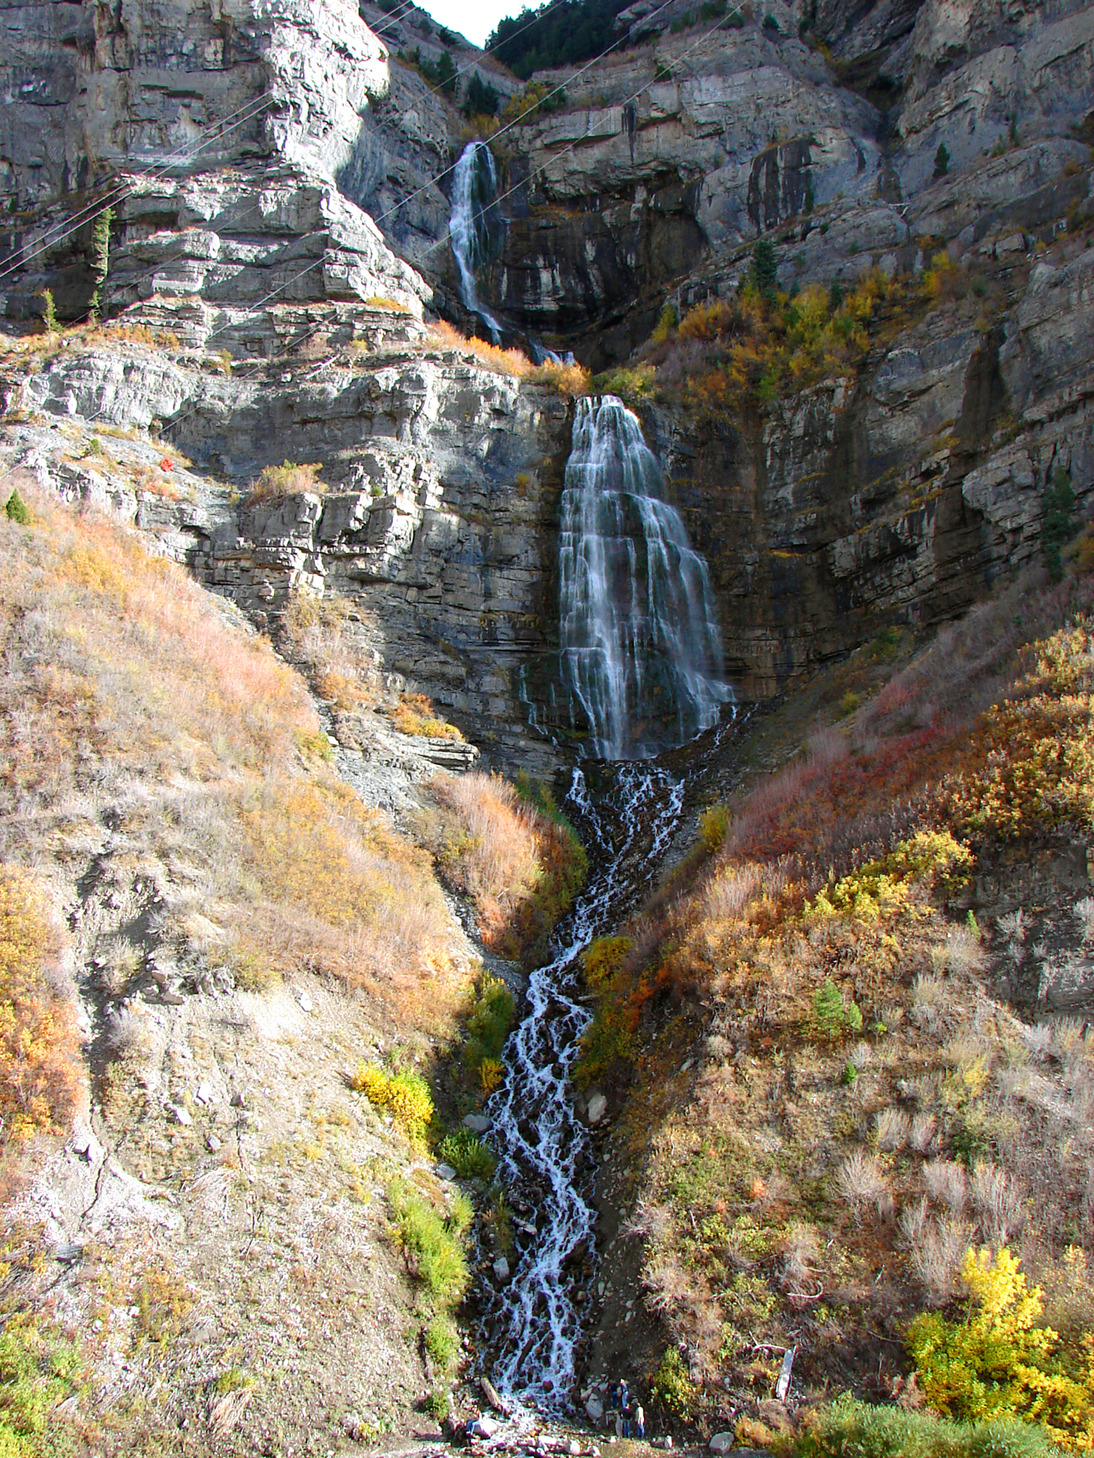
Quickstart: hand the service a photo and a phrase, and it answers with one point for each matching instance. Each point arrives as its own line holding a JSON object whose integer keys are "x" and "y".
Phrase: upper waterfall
{"x": 640, "y": 643}
{"x": 473, "y": 223}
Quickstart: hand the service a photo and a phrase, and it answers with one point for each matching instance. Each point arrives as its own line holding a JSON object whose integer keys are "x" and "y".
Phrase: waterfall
{"x": 474, "y": 224}
{"x": 641, "y": 650}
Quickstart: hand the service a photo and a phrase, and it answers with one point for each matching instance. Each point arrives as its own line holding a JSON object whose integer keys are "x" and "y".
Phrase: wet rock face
{"x": 898, "y": 497}
{"x": 597, "y": 273}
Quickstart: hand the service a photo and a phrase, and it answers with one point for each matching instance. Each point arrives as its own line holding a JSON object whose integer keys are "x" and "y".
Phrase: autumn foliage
{"x": 39, "y": 1041}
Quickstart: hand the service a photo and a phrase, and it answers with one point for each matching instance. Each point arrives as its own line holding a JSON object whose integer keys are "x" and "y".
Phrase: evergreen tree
{"x": 447, "y": 77}
{"x": 941, "y": 161}
{"x": 481, "y": 99}
{"x": 765, "y": 269}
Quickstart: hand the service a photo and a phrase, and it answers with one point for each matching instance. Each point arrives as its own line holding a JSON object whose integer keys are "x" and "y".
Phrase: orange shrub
{"x": 519, "y": 866}
{"x": 39, "y": 1041}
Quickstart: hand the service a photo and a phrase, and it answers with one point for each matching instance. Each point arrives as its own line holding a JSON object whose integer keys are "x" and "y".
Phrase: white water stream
{"x": 474, "y": 193}
{"x": 543, "y": 1148}
{"x": 642, "y": 654}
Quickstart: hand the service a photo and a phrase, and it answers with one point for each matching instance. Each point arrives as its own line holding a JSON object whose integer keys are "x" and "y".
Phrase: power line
{"x": 73, "y": 224}
{"x": 265, "y": 364}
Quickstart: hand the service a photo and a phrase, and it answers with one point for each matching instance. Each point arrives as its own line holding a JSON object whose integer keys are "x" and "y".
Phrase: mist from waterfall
{"x": 641, "y": 650}
{"x": 470, "y": 227}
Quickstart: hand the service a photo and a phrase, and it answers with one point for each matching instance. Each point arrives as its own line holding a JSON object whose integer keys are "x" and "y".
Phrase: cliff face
{"x": 438, "y": 512}
{"x": 219, "y": 132}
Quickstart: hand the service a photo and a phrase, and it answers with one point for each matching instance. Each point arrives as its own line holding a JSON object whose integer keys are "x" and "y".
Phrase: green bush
{"x": 36, "y": 1373}
{"x": 848, "y": 1428}
{"x": 467, "y": 1155}
{"x": 442, "y": 1342}
{"x": 430, "y": 1245}
{"x": 672, "y": 1387}
{"x": 16, "y": 510}
{"x": 492, "y": 1014}
{"x": 831, "y": 1017}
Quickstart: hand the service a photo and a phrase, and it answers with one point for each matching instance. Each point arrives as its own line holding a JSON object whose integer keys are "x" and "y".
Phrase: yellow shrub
{"x": 999, "y": 1362}
{"x": 405, "y": 1096}
{"x": 39, "y": 1042}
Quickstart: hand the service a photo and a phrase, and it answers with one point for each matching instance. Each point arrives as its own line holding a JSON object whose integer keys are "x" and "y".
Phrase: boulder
{"x": 596, "y": 1108}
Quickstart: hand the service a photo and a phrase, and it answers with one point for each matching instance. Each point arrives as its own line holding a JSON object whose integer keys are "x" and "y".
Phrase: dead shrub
{"x": 997, "y": 1203}
{"x": 923, "y": 1131}
{"x": 861, "y": 1181}
{"x": 946, "y": 1184}
{"x": 892, "y": 1126}
{"x": 937, "y": 1253}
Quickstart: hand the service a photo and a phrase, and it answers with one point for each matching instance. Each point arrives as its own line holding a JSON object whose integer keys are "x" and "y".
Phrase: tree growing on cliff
{"x": 765, "y": 270}
{"x": 941, "y": 161}
{"x": 481, "y": 99}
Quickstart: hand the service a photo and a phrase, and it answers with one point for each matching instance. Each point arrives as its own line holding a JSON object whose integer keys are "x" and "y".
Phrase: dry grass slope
{"x": 865, "y": 1109}
{"x": 132, "y": 714}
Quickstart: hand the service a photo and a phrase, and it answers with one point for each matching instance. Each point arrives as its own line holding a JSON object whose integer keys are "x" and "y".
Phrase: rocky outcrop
{"x": 219, "y": 136}
{"x": 439, "y": 517}
{"x": 900, "y": 495}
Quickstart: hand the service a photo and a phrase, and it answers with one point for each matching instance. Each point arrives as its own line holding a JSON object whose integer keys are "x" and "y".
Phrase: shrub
{"x": 522, "y": 867}
{"x": 467, "y": 1155}
{"x": 16, "y": 510}
{"x": 39, "y": 1041}
{"x": 431, "y": 1247}
{"x": 831, "y": 1016}
{"x": 49, "y": 311}
{"x": 288, "y": 479}
{"x": 672, "y": 1387}
{"x": 405, "y": 1096}
{"x": 999, "y": 1362}
{"x": 442, "y": 1342}
{"x": 941, "y": 161}
{"x": 492, "y": 1014}
{"x": 848, "y": 1428}
{"x": 415, "y": 714}
{"x": 36, "y": 1373}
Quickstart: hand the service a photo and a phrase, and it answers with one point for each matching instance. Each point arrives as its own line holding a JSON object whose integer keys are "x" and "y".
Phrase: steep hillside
{"x": 282, "y": 595}
{"x": 847, "y": 1038}
{"x": 206, "y": 937}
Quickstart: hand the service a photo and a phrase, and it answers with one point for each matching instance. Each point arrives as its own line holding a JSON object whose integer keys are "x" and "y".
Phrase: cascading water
{"x": 543, "y": 1147}
{"x": 642, "y": 655}
{"x": 474, "y": 224}
{"x": 640, "y": 644}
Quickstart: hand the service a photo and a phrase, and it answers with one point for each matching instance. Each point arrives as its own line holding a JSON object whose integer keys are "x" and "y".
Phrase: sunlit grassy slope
{"x": 137, "y": 722}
